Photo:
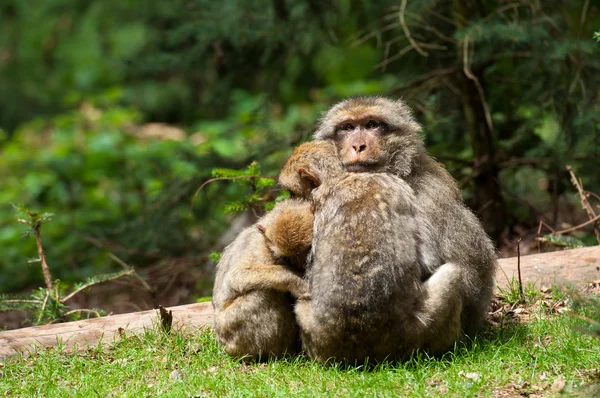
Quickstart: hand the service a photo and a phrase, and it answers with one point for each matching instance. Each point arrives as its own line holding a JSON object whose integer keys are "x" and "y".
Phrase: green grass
{"x": 508, "y": 359}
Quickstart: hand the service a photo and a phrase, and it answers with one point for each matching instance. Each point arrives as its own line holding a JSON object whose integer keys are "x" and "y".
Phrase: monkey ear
{"x": 312, "y": 178}
{"x": 261, "y": 228}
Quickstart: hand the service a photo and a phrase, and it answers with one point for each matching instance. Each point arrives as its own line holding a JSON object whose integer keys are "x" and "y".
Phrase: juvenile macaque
{"x": 258, "y": 278}
{"x": 378, "y": 135}
{"x": 367, "y": 298}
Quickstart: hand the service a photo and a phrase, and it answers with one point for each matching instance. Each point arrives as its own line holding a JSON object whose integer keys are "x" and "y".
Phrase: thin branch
{"x": 500, "y": 10}
{"x": 83, "y": 310}
{"x": 18, "y": 301}
{"x": 40, "y": 249}
{"x": 433, "y": 46}
{"x": 385, "y": 62}
{"x": 419, "y": 81}
{"x": 564, "y": 231}
{"x": 127, "y": 267}
{"x": 92, "y": 283}
{"x": 439, "y": 34}
{"x": 590, "y": 193}
{"x": 216, "y": 179}
{"x": 583, "y": 16}
{"x": 584, "y": 202}
{"x": 374, "y": 33}
{"x": 519, "y": 269}
{"x": 471, "y": 76}
{"x": 407, "y": 32}
{"x": 442, "y": 17}
{"x": 43, "y": 307}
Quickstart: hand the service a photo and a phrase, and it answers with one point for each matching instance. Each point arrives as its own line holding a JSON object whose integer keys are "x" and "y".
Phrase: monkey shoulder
{"x": 248, "y": 248}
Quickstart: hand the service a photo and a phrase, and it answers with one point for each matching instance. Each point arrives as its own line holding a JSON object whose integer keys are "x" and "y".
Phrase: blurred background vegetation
{"x": 113, "y": 113}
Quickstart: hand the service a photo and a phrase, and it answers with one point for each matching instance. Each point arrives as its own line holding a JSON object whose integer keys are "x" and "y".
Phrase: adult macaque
{"x": 367, "y": 298}
{"x": 378, "y": 135}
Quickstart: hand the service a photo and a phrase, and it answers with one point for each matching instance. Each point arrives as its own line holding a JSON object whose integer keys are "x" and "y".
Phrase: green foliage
{"x": 215, "y": 257}
{"x": 568, "y": 242}
{"x": 97, "y": 177}
{"x": 245, "y": 81}
{"x": 250, "y": 177}
{"x": 205, "y": 299}
{"x": 47, "y": 304}
{"x": 511, "y": 294}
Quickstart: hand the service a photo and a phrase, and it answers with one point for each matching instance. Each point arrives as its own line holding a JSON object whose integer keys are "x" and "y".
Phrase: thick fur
{"x": 367, "y": 299}
{"x": 255, "y": 288}
{"x": 456, "y": 236}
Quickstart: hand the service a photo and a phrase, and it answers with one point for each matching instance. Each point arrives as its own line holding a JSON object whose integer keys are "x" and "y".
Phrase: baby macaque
{"x": 258, "y": 279}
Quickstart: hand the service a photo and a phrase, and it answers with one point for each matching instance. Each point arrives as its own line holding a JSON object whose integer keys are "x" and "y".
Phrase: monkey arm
{"x": 264, "y": 277}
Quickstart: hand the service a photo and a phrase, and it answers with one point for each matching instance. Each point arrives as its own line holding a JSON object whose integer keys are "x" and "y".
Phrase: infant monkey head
{"x": 288, "y": 230}
{"x": 309, "y": 165}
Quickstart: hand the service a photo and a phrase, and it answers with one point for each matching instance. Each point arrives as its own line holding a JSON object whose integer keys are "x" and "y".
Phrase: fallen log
{"x": 575, "y": 266}
{"x": 80, "y": 335}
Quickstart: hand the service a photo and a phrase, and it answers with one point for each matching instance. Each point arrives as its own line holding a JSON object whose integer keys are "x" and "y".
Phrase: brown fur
{"x": 257, "y": 280}
{"x": 366, "y": 296}
{"x": 455, "y": 239}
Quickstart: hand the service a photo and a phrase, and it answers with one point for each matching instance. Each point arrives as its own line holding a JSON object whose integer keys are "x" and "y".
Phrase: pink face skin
{"x": 359, "y": 141}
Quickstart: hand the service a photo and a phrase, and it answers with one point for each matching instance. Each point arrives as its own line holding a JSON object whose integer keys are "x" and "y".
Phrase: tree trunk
{"x": 488, "y": 201}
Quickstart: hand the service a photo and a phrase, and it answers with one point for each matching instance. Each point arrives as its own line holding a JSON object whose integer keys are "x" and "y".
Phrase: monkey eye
{"x": 371, "y": 124}
{"x": 346, "y": 127}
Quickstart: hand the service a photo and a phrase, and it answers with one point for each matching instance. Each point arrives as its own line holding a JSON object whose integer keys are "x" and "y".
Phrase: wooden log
{"x": 80, "y": 335}
{"x": 570, "y": 266}
{"x": 575, "y": 266}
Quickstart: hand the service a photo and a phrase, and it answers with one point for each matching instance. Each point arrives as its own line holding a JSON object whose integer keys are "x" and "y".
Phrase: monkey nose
{"x": 359, "y": 148}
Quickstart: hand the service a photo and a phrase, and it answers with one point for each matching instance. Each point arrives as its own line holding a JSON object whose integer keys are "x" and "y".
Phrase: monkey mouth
{"x": 361, "y": 167}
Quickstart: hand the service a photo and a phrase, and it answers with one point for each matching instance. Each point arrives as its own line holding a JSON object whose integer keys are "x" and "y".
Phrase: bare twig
{"x": 373, "y": 33}
{"x": 83, "y": 310}
{"x": 539, "y": 231}
{"x": 584, "y": 203}
{"x": 442, "y": 17}
{"x": 127, "y": 267}
{"x": 43, "y": 307}
{"x": 590, "y": 193}
{"x": 38, "y": 240}
{"x": 564, "y": 231}
{"x": 583, "y": 16}
{"x": 519, "y": 269}
{"x": 216, "y": 179}
{"x": 501, "y": 10}
{"x": 425, "y": 78}
{"x": 92, "y": 283}
{"x": 471, "y": 76}
{"x": 407, "y": 32}
{"x": 387, "y": 61}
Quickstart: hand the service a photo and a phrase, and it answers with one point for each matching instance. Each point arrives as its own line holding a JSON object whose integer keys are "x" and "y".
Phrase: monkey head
{"x": 307, "y": 167}
{"x": 373, "y": 134}
{"x": 290, "y": 233}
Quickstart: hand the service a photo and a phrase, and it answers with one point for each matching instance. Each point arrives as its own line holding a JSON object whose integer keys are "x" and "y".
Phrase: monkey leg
{"x": 267, "y": 277}
{"x": 258, "y": 325}
{"x": 310, "y": 328}
{"x": 441, "y": 308}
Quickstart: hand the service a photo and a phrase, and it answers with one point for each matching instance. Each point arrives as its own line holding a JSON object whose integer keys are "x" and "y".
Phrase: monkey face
{"x": 372, "y": 134}
{"x": 359, "y": 142}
